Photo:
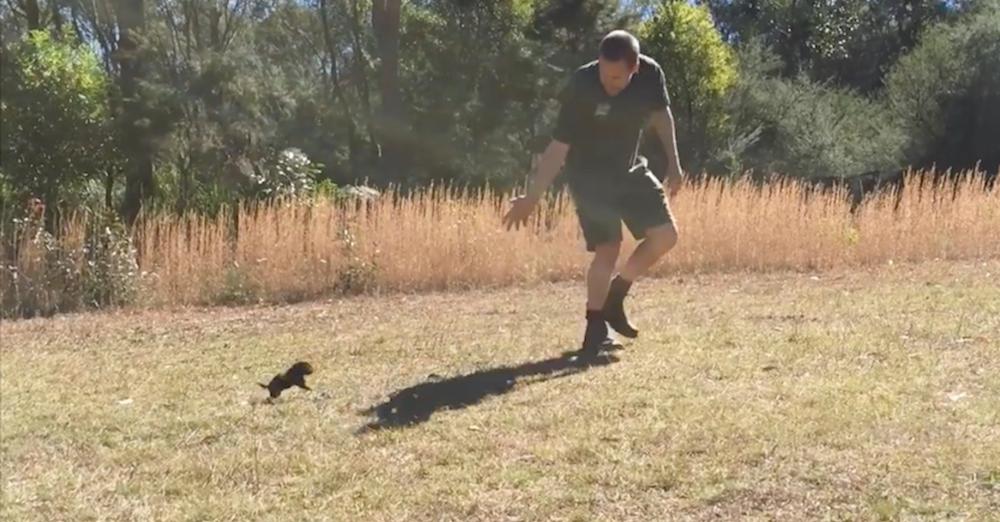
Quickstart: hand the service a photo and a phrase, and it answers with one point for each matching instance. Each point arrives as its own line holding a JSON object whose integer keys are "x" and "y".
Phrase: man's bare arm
{"x": 663, "y": 123}
{"x": 545, "y": 172}
{"x": 547, "y": 169}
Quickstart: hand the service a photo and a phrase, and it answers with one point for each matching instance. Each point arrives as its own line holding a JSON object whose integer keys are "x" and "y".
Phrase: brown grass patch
{"x": 848, "y": 394}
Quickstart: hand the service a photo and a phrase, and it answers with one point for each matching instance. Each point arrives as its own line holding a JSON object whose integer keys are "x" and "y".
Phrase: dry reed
{"x": 441, "y": 238}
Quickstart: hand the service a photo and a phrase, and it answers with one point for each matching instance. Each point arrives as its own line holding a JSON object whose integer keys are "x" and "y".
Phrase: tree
{"x": 799, "y": 127}
{"x": 390, "y": 121}
{"x": 55, "y": 135}
{"x": 216, "y": 97}
{"x": 139, "y": 182}
{"x": 471, "y": 83}
{"x": 700, "y": 71}
{"x": 851, "y": 42}
{"x": 571, "y": 29}
{"x": 946, "y": 93}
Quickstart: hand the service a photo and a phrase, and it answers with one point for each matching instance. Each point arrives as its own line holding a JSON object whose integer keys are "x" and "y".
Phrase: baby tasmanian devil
{"x": 295, "y": 376}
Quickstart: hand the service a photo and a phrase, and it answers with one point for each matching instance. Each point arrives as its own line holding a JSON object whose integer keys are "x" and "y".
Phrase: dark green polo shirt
{"x": 604, "y": 131}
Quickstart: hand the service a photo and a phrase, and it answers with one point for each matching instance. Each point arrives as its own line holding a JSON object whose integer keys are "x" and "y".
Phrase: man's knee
{"x": 606, "y": 255}
{"x": 663, "y": 237}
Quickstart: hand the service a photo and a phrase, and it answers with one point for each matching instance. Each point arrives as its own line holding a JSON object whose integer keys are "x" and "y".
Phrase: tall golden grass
{"x": 440, "y": 238}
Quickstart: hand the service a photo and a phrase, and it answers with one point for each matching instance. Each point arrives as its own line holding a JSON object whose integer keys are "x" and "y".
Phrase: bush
{"x": 110, "y": 272}
{"x": 40, "y": 275}
{"x": 358, "y": 275}
{"x": 802, "y": 128}
{"x": 946, "y": 93}
{"x": 56, "y": 132}
{"x": 700, "y": 71}
{"x": 44, "y": 275}
{"x": 288, "y": 173}
{"x": 237, "y": 287}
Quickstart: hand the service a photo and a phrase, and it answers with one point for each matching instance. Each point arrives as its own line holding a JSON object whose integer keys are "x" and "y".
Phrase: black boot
{"x": 614, "y": 308}
{"x": 596, "y": 336}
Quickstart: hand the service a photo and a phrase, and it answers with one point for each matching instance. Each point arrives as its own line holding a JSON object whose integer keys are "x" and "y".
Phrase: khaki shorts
{"x": 636, "y": 198}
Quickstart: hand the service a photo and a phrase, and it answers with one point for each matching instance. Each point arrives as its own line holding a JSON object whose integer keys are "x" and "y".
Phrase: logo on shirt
{"x": 602, "y": 110}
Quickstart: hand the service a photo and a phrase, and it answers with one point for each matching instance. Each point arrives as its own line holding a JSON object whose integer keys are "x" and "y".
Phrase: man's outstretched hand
{"x": 674, "y": 183}
{"x": 520, "y": 210}
{"x": 675, "y": 179}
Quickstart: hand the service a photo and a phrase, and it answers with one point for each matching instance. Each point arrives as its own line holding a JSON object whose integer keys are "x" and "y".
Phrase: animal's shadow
{"x": 415, "y": 404}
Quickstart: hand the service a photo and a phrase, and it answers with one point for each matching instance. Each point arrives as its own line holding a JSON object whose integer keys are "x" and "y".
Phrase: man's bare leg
{"x": 599, "y": 274}
{"x": 658, "y": 241}
{"x": 598, "y": 281}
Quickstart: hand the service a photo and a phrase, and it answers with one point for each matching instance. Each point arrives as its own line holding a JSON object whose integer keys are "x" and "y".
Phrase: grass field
{"x": 838, "y": 395}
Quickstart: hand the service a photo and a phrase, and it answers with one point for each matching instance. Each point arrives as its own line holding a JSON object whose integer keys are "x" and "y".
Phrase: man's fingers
{"x": 510, "y": 219}
{"x": 517, "y": 215}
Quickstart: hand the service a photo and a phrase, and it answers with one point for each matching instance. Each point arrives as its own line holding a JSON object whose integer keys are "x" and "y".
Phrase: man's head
{"x": 618, "y": 60}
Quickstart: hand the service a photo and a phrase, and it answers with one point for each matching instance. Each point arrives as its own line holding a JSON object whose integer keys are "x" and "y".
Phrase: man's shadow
{"x": 415, "y": 404}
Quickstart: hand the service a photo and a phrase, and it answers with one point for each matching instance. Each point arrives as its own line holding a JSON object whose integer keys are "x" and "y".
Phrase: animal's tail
{"x": 262, "y": 385}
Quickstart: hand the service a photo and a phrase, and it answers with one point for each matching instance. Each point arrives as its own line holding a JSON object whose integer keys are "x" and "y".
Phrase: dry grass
{"x": 442, "y": 239}
{"x": 847, "y": 394}
{"x": 447, "y": 239}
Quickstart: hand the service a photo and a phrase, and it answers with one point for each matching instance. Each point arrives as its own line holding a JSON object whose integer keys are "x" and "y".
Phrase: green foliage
{"x": 110, "y": 271}
{"x": 946, "y": 93}
{"x": 473, "y": 109}
{"x": 56, "y": 126}
{"x": 326, "y": 189}
{"x": 700, "y": 71}
{"x": 802, "y": 128}
{"x": 801, "y": 33}
{"x": 849, "y": 42}
{"x": 224, "y": 88}
{"x": 358, "y": 275}
{"x": 288, "y": 173}
{"x": 237, "y": 287}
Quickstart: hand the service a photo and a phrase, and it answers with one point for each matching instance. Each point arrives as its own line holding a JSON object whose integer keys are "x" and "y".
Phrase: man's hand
{"x": 520, "y": 211}
{"x": 547, "y": 169}
{"x": 675, "y": 180}
{"x": 663, "y": 123}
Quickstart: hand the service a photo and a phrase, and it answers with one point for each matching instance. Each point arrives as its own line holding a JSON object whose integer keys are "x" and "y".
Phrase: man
{"x": 604, "y": 109}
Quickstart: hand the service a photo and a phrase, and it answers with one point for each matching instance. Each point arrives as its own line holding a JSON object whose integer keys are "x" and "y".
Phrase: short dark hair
{"x": 620, "y": 45}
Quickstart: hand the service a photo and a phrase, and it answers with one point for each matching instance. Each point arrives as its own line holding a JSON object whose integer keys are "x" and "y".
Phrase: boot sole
{"x": 631, "y": 334}
{"x": 594, "y": 350}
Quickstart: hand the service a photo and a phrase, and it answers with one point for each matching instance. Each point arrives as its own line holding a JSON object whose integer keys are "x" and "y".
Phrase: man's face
{"x": 615, "y": 76}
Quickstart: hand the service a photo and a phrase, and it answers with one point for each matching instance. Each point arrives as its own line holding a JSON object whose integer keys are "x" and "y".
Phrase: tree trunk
{"x": 361, "y": 71}
{"x": 109, "y": 189}
{"x": 33, "y": 14}
{"x": 337, "y": 93}
{"x": 389, "y": 123}
{"x": 138, "y": 159}
{"x": 57, "y": 21}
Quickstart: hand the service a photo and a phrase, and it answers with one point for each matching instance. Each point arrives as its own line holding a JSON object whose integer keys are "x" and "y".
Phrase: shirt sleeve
{"x": 566, "y": 121}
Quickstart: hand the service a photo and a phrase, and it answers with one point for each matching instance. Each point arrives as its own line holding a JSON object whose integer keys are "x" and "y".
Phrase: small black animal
{"x": 295, "y": 376}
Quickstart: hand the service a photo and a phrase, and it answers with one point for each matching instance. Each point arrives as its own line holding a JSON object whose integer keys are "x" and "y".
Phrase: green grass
{"x": 868, "y": 395}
